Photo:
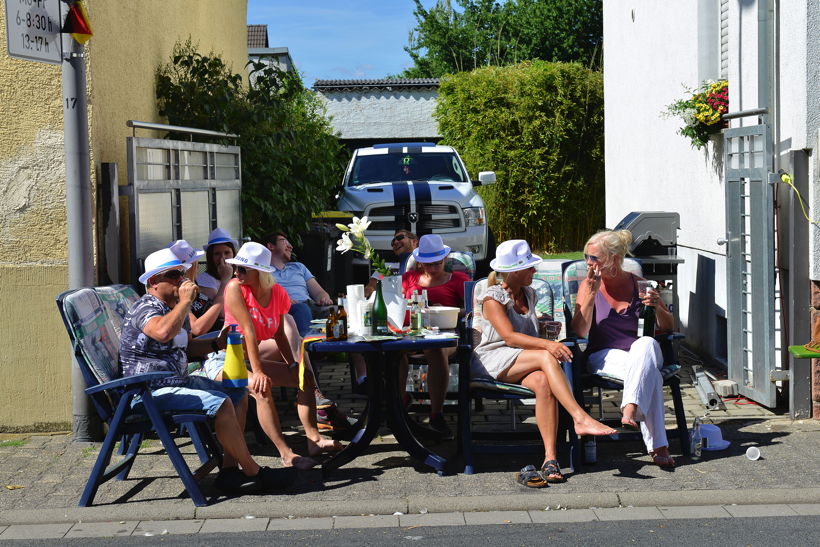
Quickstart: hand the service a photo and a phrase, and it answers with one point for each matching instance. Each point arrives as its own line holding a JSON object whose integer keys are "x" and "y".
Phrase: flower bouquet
{"x": 353, "y": 239}
{"x": 701, "y": 113}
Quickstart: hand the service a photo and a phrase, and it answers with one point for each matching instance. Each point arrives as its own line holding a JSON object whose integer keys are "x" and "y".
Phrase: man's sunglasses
{"x": 173, "y": 275}
{"x": 399, "y": 237}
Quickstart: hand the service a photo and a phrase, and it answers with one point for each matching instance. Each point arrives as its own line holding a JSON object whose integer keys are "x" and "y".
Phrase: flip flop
{"x": 551, "y": 467}
{"x": 530, "y": 477}
{"x": 630, "y": 427}
{"x": 664, "y": 462}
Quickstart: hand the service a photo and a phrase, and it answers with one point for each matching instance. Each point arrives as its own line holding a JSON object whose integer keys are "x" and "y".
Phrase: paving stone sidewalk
{"x": 42, "y": 476}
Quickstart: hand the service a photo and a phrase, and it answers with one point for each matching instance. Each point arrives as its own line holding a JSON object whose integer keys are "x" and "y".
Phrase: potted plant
{"x": 702, "y": 112}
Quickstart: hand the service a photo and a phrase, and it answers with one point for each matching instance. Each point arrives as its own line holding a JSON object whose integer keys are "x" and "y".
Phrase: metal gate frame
{"x": 750, "y": 275}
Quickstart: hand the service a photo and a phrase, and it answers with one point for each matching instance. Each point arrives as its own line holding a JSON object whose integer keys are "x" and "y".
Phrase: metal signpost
{"x": 33, "y": 30}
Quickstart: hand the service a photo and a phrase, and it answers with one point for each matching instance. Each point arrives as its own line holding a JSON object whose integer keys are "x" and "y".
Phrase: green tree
{"x": 479, "y": 33}
{"x": 539, "y": 126}
{"x": 291, "y": 161}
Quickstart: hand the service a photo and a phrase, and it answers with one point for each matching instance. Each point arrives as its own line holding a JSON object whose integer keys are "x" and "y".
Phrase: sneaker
{"x": 323, "y": 402}
{"x": 276, "y": 479}
{"x": 332, "y": 419}
{"x": 439, "y": 425}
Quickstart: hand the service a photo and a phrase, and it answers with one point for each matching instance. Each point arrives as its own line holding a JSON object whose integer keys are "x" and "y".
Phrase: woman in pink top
{"x": 257, "y": 305}
{"x": 443, "y": 289}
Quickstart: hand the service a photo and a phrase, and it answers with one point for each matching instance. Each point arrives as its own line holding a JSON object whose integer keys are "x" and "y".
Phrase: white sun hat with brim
{"x": 431, "y": 249}
{"x": 161, "y": 261}
{"x": 219, "y": 235}
{"x": 185, "y": 252}
{"x": 253, "y": 255}
{"x": 712, "y": 438}
{"x": 514, "y": 255}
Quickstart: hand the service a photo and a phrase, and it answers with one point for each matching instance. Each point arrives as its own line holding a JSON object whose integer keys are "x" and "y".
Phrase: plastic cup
{"x": 753, "y": 453}
{"x": 643, "y": 286}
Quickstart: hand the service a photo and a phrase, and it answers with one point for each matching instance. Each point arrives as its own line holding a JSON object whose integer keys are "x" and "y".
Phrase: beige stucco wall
{"x": 130, "y": 40}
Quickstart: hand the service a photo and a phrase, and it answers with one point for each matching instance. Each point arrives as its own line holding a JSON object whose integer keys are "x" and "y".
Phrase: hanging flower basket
{"x": 702, "y": 112}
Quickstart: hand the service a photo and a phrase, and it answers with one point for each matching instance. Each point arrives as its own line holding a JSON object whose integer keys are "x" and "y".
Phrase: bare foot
{"x": 628, "y": 418}
{"x": 662, "y": 458}
{"x": 299, "y": 462}
{"x": 323, "y": 445}
{"x": 591, "y": 426}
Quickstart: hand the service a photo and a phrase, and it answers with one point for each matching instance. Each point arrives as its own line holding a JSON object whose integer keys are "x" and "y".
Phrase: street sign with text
{"x": 33, "y": 30}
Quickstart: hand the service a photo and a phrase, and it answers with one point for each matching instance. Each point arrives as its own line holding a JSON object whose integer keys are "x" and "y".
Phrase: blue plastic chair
{"x": 469, "y": 388}
{"x": 92, "y": 318}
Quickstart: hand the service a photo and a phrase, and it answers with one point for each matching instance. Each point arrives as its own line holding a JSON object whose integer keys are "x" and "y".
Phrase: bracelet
{"x": 214, "y": 346}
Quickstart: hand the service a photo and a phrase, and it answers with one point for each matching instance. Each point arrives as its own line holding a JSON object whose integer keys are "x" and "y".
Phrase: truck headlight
{"x": 475, "y": 216}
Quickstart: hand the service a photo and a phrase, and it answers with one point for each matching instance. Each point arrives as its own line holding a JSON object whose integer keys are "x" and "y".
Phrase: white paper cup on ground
{"x": 753, "y": 453}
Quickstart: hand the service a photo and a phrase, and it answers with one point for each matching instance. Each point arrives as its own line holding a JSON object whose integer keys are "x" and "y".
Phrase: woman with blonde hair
{"x": 511, "y": 351}
{"x": 606, "y": 312}
{"x": 258, "y": 305}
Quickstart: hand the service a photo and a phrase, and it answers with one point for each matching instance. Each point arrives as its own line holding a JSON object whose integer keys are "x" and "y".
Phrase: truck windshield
{"x": 433, "y": 166}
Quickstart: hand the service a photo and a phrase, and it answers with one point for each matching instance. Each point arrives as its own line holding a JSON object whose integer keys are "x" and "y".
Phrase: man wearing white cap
{"x": 155, "y": 337}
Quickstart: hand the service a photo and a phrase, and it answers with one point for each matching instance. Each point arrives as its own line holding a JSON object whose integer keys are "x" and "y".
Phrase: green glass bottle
{"x": 648, "y": 316}
{"x": 380, "y": 313}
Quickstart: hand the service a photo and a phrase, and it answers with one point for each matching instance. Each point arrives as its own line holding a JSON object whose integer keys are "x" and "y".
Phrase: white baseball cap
{"x": 161, "y": 261}
{"x": 514, "y": 255}
{"x": 253, "y": 255}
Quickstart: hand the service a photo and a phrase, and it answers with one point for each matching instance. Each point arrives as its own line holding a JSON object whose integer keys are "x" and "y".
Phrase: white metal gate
{"x": 750, "y": 261}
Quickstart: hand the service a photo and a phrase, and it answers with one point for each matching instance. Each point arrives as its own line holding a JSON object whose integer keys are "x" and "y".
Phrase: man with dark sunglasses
{"x": 156, "y": 338}
{"x": 403, "y": 243}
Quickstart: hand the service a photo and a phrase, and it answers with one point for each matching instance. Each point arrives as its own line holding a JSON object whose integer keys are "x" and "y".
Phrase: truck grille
{"x": 431, "y": 216}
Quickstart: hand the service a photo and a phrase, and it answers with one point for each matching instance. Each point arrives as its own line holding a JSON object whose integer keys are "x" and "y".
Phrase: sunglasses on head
{"x": 399, "y": 237}
{"x": 173, "y": 275}
{"x": 592, "y": 258}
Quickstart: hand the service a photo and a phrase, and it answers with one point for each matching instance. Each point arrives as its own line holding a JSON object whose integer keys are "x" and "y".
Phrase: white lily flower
{"x": 344, "y": 244}
{"x": 359, "y": 226}
{"x": 342, "y": 227}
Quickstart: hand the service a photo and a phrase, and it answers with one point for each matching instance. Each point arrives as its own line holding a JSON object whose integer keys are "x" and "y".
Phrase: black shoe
{"x": 234, "y": 481}
{"x": 439, "y": 425}
{"x": 276, "y": 479}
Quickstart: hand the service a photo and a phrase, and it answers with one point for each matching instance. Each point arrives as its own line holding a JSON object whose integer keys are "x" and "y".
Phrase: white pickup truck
{"x": 421, "y": 187}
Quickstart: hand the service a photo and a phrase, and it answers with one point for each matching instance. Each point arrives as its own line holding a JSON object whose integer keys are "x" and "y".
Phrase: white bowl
{"x": 443, "y": 317}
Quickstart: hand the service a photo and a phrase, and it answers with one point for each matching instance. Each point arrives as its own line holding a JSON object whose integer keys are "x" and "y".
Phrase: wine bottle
{"x": 380, "y": 313}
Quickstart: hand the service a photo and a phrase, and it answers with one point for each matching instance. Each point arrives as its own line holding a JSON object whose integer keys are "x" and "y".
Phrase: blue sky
{"x": 339, "y": 39}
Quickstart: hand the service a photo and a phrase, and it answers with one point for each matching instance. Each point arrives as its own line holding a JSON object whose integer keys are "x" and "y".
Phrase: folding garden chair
{"x": 574, "y": 273}
{"x": 92, "y": 319}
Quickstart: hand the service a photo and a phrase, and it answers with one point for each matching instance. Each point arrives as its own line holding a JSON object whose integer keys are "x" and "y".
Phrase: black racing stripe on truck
{"x": 401, "y": 202}
{"x": 423, "y": 197}
{"x": 396, "y": 150}
{"x": 414, "y": 149}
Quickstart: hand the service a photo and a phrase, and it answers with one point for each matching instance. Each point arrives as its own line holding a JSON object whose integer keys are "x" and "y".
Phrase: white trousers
{"x": 639, "y": 368}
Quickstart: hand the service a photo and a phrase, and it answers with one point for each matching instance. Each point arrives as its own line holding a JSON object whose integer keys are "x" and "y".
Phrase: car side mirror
{"x": 485, "y": 177}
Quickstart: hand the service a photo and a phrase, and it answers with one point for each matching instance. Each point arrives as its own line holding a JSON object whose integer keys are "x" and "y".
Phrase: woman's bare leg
{"x": 529, "y": 361}
{"x": 546, "y": 412}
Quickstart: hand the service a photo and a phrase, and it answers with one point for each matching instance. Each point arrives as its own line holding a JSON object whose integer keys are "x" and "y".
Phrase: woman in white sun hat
{"x": 258, "y": 305}
{"x": 206, "y": 312}
{"x": 443, "y": 289}
{"x": 511, "y": 351}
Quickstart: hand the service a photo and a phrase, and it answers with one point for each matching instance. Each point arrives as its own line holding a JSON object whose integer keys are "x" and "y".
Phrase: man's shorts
{"x": 197, "y": 394}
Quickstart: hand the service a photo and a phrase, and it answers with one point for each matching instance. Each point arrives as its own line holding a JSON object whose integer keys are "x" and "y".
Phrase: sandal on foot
{"x": 551, "y": 472}
{"x": 664, "y": 462}
{"x": 530, "y": 478}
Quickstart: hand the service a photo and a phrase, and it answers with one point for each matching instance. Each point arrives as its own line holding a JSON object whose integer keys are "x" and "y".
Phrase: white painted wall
{"x": 382, "y": 114}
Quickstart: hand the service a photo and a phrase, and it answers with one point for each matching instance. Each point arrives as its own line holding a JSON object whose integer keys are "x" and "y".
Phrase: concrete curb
{"x": 538, "y": 500}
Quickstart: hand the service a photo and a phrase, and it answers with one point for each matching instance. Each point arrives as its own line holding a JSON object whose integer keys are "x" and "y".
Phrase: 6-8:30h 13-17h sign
{"x": 33, "y": 30}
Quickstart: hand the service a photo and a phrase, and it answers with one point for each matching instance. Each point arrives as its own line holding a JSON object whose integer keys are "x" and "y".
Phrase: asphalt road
{"x": 767, "y": 531}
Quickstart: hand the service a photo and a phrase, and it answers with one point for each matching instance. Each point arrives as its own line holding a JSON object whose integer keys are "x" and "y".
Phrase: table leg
{"x": 368, "y": 425}
{"x": 397, "y": 416}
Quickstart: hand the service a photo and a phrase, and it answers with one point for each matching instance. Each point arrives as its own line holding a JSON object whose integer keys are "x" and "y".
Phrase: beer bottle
{"x": 330, "y": 326}
{"x": 341, "y": 320}
{"x": 380, "y": 327}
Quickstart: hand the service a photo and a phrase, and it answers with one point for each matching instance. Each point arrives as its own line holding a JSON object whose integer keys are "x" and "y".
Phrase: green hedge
{"x": 540, "y": 127}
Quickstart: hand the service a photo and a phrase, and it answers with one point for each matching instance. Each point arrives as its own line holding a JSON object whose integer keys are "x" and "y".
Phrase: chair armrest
{"x": 143, "y": 378}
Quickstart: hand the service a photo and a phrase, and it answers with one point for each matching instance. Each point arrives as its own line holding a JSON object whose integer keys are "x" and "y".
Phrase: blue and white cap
{"x": 161, "y": 261}
{"x": 431, "y": 249}
{"x": 219, "y": 235}
{"x": 514, "y": 255}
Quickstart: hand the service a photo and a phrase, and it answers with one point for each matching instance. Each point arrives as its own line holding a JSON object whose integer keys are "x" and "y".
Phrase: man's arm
{"x": 317, "y": 293}
{"x": 164, "y": 328}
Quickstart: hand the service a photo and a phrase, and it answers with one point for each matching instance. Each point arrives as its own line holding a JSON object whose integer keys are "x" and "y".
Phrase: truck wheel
{"x": 482, "y": 267}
